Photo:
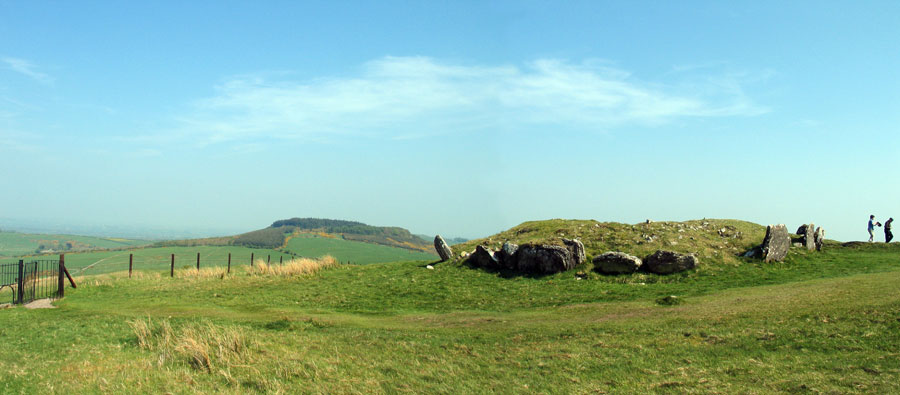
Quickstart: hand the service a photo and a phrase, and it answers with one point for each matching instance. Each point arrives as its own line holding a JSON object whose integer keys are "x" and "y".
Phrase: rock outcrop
{"x": 616, "y": 263}
{"x": 667, "y": 262}
{"x": 442, "y": 248}
{"x": 776, "y": 243}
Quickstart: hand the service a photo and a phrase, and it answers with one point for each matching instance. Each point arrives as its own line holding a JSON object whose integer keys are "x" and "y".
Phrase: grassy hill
{"x": 817, "y": 323}
{"x": 14, "y": 244}
{"x": 711, "y": 240}
{"x": 281, "y": 232}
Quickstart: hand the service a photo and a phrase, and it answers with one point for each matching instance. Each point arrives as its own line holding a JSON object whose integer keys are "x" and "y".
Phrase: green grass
{"x": 824, "y": 322}
{"x": 14, "y": 244}
{"x": 356, "y": 252}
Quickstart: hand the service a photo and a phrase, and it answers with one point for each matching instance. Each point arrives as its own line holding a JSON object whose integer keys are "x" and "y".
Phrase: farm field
{"x": 14, "y": 244}
{"x": 356, "y": 252}
{"x": 159, "y": 259}
{"x": 824, "y": 322}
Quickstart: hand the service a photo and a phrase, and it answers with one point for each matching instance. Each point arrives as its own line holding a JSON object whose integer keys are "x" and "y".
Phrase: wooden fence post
{"x": 130, "y": 264}
{"x": 251, "y": 259}
{"x": 20, "y": 286}
{"x": 229, "y": 262}
{"x": 60, "y": 281}
{"x": 198, "y": 261}
{"x": 172, "y": 268}
{"x": 281, "y": 259}
{"x": 269, "y": 259}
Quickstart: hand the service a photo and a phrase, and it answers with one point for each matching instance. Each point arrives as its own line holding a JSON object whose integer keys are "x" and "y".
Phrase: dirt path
{"x": 40, "y": 304}
{"x": 95, "y": 263}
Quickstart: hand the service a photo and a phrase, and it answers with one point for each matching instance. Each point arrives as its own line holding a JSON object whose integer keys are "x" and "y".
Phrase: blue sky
{"x": 459, "y": 118}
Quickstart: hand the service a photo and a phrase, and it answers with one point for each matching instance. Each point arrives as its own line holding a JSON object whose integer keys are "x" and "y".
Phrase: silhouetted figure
{"x": 888, "y": 236}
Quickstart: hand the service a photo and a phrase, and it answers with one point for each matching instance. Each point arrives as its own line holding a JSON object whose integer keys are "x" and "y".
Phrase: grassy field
{"x": 824, "y": 322}
{"x": 351, "y": 251}
{"x": 14, "y": 244}
{"x": 159, "y": 259}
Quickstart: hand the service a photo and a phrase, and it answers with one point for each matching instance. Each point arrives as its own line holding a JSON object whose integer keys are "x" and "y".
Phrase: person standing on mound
{"x": 872, "y": 225}
{"x": 888, "y": 236}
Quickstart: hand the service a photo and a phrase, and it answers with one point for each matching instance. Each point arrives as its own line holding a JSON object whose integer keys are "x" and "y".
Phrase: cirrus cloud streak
{"x": 399, "y": 97}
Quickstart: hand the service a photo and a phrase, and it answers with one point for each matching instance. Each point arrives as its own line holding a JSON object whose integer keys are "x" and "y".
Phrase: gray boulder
{"x": 667, "y": 262}
{"x": 820, "y": 238}
{"x": 544, "y": 259}
{"x": 484, "y": 257}
{"x": 776, "y": 243}
{"x": 616, "y": 263}
{"x": 442, "y": 248}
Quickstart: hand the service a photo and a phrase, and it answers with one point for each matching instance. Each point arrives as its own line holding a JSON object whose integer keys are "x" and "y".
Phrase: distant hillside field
{"x": 15, "y": 244}
{"x": 353, "y": 251}
{"x": 159, "y": 259}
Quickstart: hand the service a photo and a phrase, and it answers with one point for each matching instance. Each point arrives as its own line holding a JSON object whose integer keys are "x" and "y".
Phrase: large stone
{"x": 667, "y": 262}
{"x": 484, "y": 257}
{"x": 802, "y": 230}
{"x": 507, "y": 255}
{"x": 616, "y": 263}
{"x": 820, "y": 238}
{"x": 442, "y": 248}
{"x": 544, "y": 259}
{"x": 547, "y": 258}
{"x": 776, "y": 244}
{"x": 810, "y": 240}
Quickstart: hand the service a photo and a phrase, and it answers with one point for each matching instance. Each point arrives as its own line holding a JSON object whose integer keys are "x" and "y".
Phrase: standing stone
{"x": 442, "y": 248}
{"x": 667, "y": 262}
{"x": 810, "y": 240}
{"x": 802, "y": 230}
{"x": 484, "y": 257}
{"x": 616, "y": 263}
{"x": 776, "y": 244}
{"x": 820, "y": 238}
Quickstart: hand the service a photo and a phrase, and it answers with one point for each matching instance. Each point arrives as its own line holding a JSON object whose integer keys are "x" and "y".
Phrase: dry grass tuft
{"x": 294, "y": 267}
{"x": 201, "y": 346}
{"x": 206, "y": 272}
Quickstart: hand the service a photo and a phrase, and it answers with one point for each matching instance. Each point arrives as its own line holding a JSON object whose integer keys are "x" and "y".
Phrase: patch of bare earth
{"x": 40, "y": 304}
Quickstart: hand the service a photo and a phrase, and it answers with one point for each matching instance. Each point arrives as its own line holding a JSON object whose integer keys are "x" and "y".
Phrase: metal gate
{"x": 30, "y": 280}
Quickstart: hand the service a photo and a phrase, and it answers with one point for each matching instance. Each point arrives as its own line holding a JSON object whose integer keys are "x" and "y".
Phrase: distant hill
{"x": 280, "y": 232}
{"x": 711, "y": 240}
{"x": 15, "y": 244}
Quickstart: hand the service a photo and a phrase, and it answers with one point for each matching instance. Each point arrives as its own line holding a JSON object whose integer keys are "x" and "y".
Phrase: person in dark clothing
{"x": 888, "y": 236}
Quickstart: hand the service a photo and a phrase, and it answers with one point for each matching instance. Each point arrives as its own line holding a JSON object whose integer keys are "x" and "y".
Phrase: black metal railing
{"x": 30, "y": 280}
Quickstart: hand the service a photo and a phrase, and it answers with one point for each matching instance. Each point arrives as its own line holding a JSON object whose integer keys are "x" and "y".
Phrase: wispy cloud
{"x": 407, "y": 97}
{"x": 27, "y": 68}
